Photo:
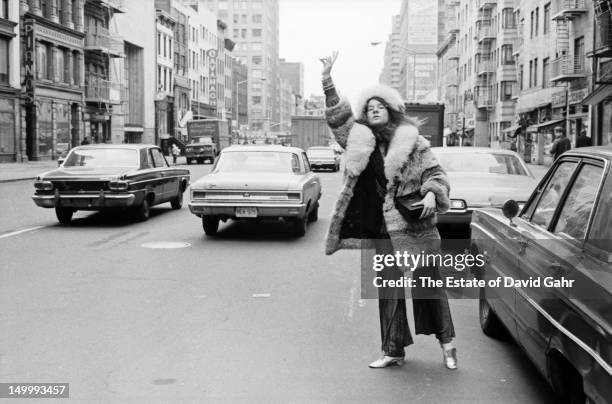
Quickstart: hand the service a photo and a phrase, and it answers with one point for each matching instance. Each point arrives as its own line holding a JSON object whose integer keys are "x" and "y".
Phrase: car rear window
{"x": 320, "y": 153}
{"x": 99, "y": 157}
{"x": 496, "y": 163}
{"x": 255, "y": 161}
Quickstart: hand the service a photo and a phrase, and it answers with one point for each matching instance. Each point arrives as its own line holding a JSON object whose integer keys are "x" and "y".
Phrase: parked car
{"x": 201, "y": 150}
{"x": 104, "y": 177}
{"x": 257, "y": 182}
{"x": 323, "y": 157}
{"x": 563, "y": 237}
{"x": 480, "y": 177}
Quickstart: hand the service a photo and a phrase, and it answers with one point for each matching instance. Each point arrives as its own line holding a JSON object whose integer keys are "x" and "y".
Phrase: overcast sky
{"x": 311, "y": 29}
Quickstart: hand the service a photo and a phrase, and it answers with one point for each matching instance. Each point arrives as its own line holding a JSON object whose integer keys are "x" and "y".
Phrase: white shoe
{"x": 450, "y": 358}
{"x": 385, "y": 361}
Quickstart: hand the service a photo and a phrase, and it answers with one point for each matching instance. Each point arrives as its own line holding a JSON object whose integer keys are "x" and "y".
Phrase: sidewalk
{"x": 10, "y": 172}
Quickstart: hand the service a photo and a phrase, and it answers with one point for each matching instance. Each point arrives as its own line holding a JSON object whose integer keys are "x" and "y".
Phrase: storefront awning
{"x": 597, "y": 96}
{"x": 535, "y": 128}
{"x": 511, "y": 131}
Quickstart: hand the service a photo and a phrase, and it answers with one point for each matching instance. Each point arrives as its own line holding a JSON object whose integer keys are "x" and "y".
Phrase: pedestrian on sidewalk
{"x": 561, "y": 143}
{"x": 386, "y": 158}
{"x": 583, "y": 140}
{"x": 85, "y": 141}
{"x": 175, "y": 153}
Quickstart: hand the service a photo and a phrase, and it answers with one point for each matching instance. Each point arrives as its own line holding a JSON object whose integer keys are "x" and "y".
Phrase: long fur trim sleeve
{"x": 434, "y": 179}
{"x": 340, "y": 120}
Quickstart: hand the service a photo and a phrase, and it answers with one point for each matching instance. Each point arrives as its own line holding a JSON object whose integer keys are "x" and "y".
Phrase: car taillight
{"x": 43, "y": 185}
{"x": 458, "y": 204}
{"x": 296, "y": 196}
{"x": 118, "y": 186}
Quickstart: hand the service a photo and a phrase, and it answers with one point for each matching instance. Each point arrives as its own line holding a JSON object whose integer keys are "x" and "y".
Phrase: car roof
{"x": 597, "y": 151}
{"x": 321, "y": 147}
{"x": 470, "y": 149}
{"x": 131, "y": 146}
{"x": 264, "y": 147}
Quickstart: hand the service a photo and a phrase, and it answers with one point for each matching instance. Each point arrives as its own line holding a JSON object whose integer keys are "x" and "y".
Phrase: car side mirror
{"x": 510, "y": 209}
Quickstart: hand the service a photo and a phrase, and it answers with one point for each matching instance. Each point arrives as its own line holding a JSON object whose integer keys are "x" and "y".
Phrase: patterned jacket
{"x": 410, "y": 166}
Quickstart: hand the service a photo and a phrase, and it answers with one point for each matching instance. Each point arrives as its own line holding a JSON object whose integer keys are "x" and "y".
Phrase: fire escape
{"x": 484, "y": 62}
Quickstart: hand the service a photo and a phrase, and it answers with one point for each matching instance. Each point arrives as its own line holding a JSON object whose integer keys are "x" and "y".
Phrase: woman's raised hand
{"x": 328, "y": 62}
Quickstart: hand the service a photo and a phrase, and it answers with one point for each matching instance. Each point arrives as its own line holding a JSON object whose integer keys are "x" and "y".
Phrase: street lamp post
{"x": 414, "y": 55}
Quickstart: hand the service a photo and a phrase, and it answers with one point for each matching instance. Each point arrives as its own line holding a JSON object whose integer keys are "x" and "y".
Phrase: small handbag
{"x": 403, "y": 204}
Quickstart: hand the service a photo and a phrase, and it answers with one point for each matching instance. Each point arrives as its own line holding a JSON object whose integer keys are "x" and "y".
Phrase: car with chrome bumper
{"x": 554, "y": 256}
{"x": 106, "y": 177}
{"x": 255, "y": 183}
{"x": 480, "y": 177}
{"x": 323, "y": 157}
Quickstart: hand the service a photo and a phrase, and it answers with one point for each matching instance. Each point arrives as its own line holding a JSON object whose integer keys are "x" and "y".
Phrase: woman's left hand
{"x": 429, "y": 205}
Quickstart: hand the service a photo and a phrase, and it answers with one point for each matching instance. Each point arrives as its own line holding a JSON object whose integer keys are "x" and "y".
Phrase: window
{"x": 158, "y": 43}
{"x": 508, "y": 18}
{"x": 256, "y": 18}
{"x": 574, "y": 217}
{"x": 4, "y": 10}
{"x": 551, "y": 195}
{"x": 530, "y": 73}
{"x": 256, "y": 33}
{"x": 545, "y": 72}
{"x": 236, "y": 33}
{"x": 546, "y": 25}
{"x": 4, "y": 60}
{"x": 235, "y": 18}
{"x": 506, "y": 55}
{"x": 256, "y": 60}
{"x": 579, "y": 54}
{"x": 537, "y": 20}
{"x": 306, "y": 163}
{"x": 256, "y": 46}
{"x": 42, "y": 66}
{"x": 506, "y": 91}
{"x": 535, "y": 72}
{"x": 256, "y": 99}
{"x": 60, "y": 65}
{"x": 243, "y": 18}
{"x": 243, "y": 33}
{"x": 532, "y": 26}
{"x": 158, "y": 158}
{"x": 520, "y": 77}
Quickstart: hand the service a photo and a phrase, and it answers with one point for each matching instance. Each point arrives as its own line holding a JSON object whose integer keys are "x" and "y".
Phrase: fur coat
{"x": 409, "y": 166}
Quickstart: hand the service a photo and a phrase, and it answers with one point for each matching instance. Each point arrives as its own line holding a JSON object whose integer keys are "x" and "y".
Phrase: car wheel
{"x": 64, "y": 215}
{"x": 489, "y": 322}
{"x": 177, "y": 203}
{"x": 313, "y": 216}
{"x": 300, "y": 225}
{"x": 143, "y": 211}
{"x": 210, "y": 225}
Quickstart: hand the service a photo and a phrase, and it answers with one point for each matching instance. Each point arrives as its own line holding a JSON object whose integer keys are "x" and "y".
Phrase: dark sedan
{"x": 553, "y": 260}
{"x": 104, "y": 177}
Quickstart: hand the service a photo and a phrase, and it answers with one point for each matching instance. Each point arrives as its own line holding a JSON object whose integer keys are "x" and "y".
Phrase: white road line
{"x": 351, "y": 306}
{"x": 261, "y": 294}
{"x": 15, "y": 233}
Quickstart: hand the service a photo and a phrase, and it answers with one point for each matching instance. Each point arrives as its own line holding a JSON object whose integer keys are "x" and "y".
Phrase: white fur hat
{"x": 391, "y": 96}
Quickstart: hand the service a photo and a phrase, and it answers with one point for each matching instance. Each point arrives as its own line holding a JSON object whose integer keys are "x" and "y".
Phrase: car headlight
{"x": 118, "y": 186}
{"x": 458, "y": 204}
{"x": 43, "y": 185}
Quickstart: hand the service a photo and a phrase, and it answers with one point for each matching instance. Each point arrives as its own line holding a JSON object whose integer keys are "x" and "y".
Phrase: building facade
{"x": 240, "y": 83}
{"x": 53, "y": 39}
{"x": 164, "y": 102}
{"x": 12, "y": 144}
{"x": 390, "y": 74}
{"x": 254, "y": 26}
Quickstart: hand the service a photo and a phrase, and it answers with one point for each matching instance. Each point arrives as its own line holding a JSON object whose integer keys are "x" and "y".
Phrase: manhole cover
{"x": 166, "y": 244}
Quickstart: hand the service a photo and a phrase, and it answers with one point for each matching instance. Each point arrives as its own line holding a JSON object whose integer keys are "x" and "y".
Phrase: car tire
{"x": 177, "y": 202}
{"x": 300, "y": 225}
{"x": 143, "y": 211}
{"x": 489, "y": 322}
{"x": 210, "y": 224}
{"x": 313, "y": 216}
{"x": 64, "y": 215}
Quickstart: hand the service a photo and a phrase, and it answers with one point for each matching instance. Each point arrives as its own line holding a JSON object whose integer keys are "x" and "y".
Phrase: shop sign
{"x": 28, "y": 61}
{"x": 212, "y": 77}
{"x": 577, "y": 96}
{"x": 559, "y": 99}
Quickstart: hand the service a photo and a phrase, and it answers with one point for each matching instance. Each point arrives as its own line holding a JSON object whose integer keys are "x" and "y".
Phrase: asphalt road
{"x": 253, "y": 315}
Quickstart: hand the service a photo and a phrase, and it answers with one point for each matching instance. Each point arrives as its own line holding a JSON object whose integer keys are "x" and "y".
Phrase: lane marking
{"x": 261, "y": 294}
{"x": 15, "y": 233}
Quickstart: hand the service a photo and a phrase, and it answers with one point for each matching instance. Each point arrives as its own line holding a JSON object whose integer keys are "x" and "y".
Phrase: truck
{"x": 431, "y": 117}
{"x": 309, "y": 131}
{"x": 206, "y": 138}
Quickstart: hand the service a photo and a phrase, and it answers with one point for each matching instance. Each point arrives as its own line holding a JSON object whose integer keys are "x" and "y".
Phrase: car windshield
{"x": 99, "y": 157}
{"x": 320, "y": 153}
{"x": 254, "y": 161}
{"x": 496, "y": 163}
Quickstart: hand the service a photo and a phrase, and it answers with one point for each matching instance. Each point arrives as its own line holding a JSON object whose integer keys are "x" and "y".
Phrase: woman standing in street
{"x": 386, "y": 158}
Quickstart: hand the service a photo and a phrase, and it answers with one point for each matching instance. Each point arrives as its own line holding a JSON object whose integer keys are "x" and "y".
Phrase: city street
{"x": 254, "y": 314}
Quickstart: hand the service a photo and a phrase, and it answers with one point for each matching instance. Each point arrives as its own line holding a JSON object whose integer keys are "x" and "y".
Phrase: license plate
{"x": 246, "y": 212}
